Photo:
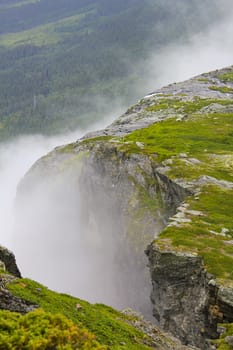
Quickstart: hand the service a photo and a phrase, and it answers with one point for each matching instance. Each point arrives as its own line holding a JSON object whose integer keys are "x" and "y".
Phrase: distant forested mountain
{"x": 64, "y": 63}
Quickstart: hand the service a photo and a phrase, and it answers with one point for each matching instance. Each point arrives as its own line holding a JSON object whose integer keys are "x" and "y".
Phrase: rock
{"x": 8, "y": 258}
{"x": 229, "y": 340}
{"x": 140, "y": 144}
{"x": 162, "y": 340}
{"x": 183, "y": 155}
{"x": 221, "y": 330}
{"x": 180, "y": 295}
{"x": 10, "y": 302}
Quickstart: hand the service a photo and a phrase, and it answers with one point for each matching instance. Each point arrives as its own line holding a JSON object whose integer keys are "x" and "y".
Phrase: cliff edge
{"x": 163, "y": 173}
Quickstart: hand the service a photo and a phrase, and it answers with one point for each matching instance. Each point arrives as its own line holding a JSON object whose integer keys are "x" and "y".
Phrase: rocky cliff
{"x": 161, "y": 175}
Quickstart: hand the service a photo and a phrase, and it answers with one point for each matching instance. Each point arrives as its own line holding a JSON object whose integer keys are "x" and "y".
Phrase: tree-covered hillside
{"x": 65, "y": 62}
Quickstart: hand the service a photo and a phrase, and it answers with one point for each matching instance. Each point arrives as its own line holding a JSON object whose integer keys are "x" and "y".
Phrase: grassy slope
{"x": 110, "y": 327}
{"x": 64, "y": 52}
{"x": 207, "y": 138}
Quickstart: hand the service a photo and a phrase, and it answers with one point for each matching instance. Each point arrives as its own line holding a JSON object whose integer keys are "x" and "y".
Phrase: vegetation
{"x": 222, "y": 343}
{"x": 200, "y": 144}
{"x": 223, "y": 89}
{"x": 59, "y": 57}
{"x": 43, "y": 330}
{"x": 110, "y": 327}
{"x": 226, "y": 77}
{"x": 187, "y": 107}
{"x": 208, "y": 234}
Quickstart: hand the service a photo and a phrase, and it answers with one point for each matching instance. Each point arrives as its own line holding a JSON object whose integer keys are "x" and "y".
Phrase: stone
{"x": 229, "y": 340}
{"x": 8, "y": 259}
{"x": 180, "y": 295}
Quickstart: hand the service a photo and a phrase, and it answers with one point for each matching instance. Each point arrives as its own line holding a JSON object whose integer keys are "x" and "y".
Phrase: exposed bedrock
{"x": 91, "y": 213}
{"x": 186, "y": 299}
{"x": 8, "y": 262}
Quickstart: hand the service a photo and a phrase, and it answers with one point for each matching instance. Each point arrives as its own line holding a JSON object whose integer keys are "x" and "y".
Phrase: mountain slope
{"x": 63, "y": 62}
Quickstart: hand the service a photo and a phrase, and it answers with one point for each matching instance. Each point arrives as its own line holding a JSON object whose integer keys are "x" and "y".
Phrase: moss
{"x": 223, "y": 89}
{"x": 187, "y": 107}
{"x": 204, "y": 234}
{"x": 109, "y": 326}
{"x": 69, "y": 148}
{"x": 199, "y": 136}
{"x": 221, "y": 343}
{"x": 203, "y": 80}
{"x": 207, "y": 141}
{"x": 227, "y": 77}
{"x": 142, "y": 209}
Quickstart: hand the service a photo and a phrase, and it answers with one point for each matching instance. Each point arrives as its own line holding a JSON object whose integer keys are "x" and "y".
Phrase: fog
{"x": 203, "y": 52}
{"x": 16, "y": 158}
{"x": 48, "y": 238}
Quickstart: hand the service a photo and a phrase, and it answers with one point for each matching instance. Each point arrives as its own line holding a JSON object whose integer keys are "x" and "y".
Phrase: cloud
{"x": 203, "y": 52}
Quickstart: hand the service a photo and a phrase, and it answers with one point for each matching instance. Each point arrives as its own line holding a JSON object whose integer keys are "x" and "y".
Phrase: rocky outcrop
{"x": 8, "y": 259}
{"x": 186, "y": 299}
{"x": 180, "y": 295}
{"x": 12, "y": 303}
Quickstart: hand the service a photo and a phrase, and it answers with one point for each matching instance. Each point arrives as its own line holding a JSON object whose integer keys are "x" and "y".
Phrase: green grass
{"x": 197, "y": 137}
{"x": 108, "y": 325}
{"x": 39, "y": 330}
{"x": 222, "y": 343}
{"x": 187, "y": 107}
{"x": 223, "y": 89}
{"x": 208, "y": 139}
{"x": 203, "y": 234}
{"x": 203, "y": 80}
{"x": 227, "y": 77}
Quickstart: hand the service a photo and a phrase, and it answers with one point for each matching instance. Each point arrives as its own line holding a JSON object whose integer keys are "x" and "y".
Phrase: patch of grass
{"x": 227, "y": 77}
{"x": 43, "y": 330}
{"x": 221, "y": 343}
{"x": 187, "y": 107}
{"x": 223, "y": 89}
{"x": 203, "y": 234}
{"x": 203, "y": 80}
{"x": 199, "y": 136}
{"x": 108, "y": 325}
{"x": 69, "y": 148}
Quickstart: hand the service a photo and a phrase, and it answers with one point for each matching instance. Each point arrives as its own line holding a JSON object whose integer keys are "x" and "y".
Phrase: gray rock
{"x": 8, "y": 258}
{"x": 229, "y": 340}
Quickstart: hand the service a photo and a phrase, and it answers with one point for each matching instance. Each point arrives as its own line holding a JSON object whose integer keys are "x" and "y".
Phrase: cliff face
{"x": 164, "y": 167}
{"x": 180, "y": 295}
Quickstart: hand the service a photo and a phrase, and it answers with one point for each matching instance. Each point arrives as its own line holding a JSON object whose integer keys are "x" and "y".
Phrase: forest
{"x": 66, "y": 63}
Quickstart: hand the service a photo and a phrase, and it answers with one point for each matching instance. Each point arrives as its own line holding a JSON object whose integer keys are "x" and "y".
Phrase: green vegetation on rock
{"x": 226, "y": 339}
{"x": 226, "y": 77}
{"x": 42, "y": 330}
{"x": 223, "y": 89}
{"x": 111, "y": 328}
{"x": 200, "y": 145}
{"x": 209, "y": 232}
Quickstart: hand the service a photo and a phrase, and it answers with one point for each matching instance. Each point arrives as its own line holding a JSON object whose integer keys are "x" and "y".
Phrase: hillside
{"x": 63, "y": 62}
{"x": 163, "y": 169}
